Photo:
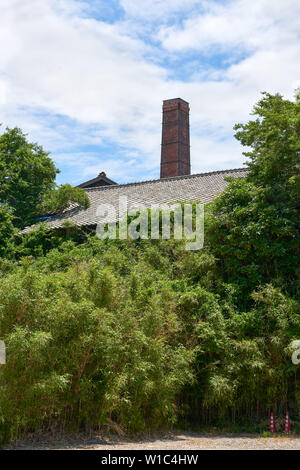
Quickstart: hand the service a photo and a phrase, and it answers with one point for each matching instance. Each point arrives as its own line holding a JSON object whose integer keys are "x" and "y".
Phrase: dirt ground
{"x": 174, "y": 441}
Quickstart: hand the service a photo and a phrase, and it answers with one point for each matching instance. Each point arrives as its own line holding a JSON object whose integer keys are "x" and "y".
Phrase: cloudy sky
{"x": 86, "y": 79}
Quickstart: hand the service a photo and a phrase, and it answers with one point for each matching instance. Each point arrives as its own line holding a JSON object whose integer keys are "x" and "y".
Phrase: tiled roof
{"x": 204, "y": 187}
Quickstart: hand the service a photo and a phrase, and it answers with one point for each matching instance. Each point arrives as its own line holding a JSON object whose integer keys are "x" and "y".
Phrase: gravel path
{"x": 174, "y": 441}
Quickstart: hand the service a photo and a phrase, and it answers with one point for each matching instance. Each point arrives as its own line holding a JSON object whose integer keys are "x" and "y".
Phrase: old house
{"x": 175, "y": 183}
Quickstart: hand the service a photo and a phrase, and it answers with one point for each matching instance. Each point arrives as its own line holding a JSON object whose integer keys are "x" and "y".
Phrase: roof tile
{"x": 204, "y": 187}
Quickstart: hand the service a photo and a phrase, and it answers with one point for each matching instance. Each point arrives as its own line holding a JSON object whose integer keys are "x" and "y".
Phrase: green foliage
{"x": 58, "y": 200}
{"x": 274, "y": 141}
{"x": 255, "y": 369}
{"x": 26, "y": 173}
{"x": 27, "y": 180}
{"x": 104, "y": 333}
{"x": 6, "y": 229}
{"x": 253, "y": 226}
{"x": 84, "y": 350}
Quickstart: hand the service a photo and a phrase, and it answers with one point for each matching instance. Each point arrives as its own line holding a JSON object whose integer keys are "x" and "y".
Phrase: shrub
{"x": 82, "y": 352}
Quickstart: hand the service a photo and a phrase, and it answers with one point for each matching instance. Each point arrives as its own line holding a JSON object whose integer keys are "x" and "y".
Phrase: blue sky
{"x": 86, "y": 79}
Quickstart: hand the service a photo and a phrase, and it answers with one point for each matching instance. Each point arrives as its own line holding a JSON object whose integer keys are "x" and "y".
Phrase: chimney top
{"x": 175, "y": 101}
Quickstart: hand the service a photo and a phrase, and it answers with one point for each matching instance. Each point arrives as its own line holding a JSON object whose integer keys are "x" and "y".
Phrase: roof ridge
{"x": 172, "y": 178}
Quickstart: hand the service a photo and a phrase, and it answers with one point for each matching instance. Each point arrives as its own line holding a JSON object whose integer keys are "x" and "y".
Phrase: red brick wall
{"x": 175, "y": 150}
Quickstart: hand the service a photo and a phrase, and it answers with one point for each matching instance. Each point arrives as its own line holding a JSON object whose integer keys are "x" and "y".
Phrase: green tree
{"x": 26, "y": 173}
{"x": 254, "y": 228}
{"x": 27, "y": 180}
{"x": 6, "y": 228}
{"x": 274, "y": 139}
{"x": 58, "y": 200}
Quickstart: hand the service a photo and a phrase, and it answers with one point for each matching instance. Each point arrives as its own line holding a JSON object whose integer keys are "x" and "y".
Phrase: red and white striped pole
{"x": 272, "y": 424}
{"x": 287, "y": 426}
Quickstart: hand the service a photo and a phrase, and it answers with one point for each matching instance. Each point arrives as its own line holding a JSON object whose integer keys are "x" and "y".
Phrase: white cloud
{"x": 77, "y": 67}
{"x": 249, "y": 24}
{"x": 268, "y": 33}
{"x": 70, "y": 80}
{"x": 156, "y": 9}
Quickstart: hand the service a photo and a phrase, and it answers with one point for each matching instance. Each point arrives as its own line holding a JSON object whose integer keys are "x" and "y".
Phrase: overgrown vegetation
{"x": 140, "y": 335}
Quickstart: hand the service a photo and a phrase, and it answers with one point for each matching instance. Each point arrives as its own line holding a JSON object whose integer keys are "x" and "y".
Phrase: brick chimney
{"x": 175, "y": 143}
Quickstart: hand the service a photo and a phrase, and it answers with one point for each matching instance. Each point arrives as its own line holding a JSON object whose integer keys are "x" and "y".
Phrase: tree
{"x": 6, "y": 228}
{"x": 26, "y": 173}
{"x": 274, "y": 138}
{"x": 27, "y": 180}
{"x": 254, "y": 228}
{"x": 59, "y": 199}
